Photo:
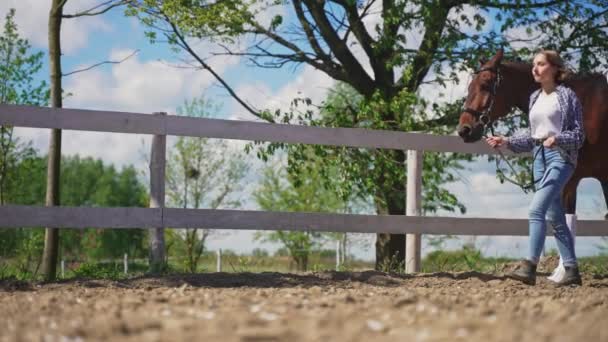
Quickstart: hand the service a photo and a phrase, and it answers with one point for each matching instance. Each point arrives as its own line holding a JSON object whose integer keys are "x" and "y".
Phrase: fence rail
{"x": 159, "y": 217}
{"x": 87, "y": 217}
{"x": 120, "y": 122}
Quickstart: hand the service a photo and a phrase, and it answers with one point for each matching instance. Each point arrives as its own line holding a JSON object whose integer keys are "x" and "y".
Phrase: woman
{"x": 555, "y": 136}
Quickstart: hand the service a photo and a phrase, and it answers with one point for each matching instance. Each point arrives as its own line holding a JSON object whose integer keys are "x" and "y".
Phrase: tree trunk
{"x": 390, "y": 248}
{"x": 51, "y": 236}
{"x": 390, "y": 252}
{"x": 302, "y": 262}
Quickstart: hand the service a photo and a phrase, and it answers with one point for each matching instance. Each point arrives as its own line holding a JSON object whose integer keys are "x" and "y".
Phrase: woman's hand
{"x": 549, "y": 142}
{"x": 496, "y": 141}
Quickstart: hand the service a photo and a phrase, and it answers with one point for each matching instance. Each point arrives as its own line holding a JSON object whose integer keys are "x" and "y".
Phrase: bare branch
{"x": 91, "y": 11}
{"x": 356, "y": 25}
{"x": 283, "y": 58}
{"x": 206, "y": 66}
{"x": 356, "y": 74}
{"x": 326, "y": 65}
{"x": 338, "y": 23}
{"x": 580, "y": 27}
{"x": 423, "y": 60}
{"x": 101, "y": 63}
{"x": 310, "y": 35}
{"x": 509, "y": 5}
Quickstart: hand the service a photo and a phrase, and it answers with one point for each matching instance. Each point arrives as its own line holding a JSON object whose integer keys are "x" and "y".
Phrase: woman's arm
{"x": 521, "y": 142}
{"x": 572, "y": 136}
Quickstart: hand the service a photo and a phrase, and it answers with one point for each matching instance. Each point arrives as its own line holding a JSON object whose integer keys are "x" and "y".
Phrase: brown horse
{"x": 499, "y": 86}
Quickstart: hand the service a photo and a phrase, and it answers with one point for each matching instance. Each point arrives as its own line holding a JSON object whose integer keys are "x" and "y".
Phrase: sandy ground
{"x": 328, "y": 306}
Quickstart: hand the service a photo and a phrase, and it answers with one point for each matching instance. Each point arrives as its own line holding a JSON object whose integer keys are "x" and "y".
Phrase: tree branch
{"x": 206, "y": 66}
{"x": 100, "y": 63}
{"x": 423, "y": 60}
{"x": 579, "y": 26}
{"x": 327, "y": 65}
{"x": 91, "y": 11}
{"x": 356, "y": 74}
{"x": 508, "y": 6}
{"x": 357, "y": 27}
{"x": 62, "y": 3}
{"x": 310, "y": 35}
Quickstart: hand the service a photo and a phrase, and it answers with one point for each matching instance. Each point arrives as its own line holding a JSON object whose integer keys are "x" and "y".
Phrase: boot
{"x": 524, "y": 272}
{"x": 559, "y": 271}
{"x": 571, "y": 277}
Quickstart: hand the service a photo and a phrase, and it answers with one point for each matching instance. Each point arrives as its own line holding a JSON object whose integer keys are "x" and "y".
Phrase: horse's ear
{"x": 498, "y": 57}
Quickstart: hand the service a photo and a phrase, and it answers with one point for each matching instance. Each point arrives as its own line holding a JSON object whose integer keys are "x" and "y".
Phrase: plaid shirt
{"x": 572, "y": 135}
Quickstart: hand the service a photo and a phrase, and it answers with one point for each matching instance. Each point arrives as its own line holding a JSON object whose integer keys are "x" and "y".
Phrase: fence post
{"x": 157, "y": 199}
{"x": 412, "y": 208}
{"x": 218, "y": 254}
{"x": 126, "y": 263}
{"x": 337, "y": 255}
{"x": 62, "y": 269}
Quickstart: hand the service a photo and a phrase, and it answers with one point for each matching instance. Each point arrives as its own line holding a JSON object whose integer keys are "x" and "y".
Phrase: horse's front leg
{"x": 569, "y": 194}
{"x": 604, "y": 183}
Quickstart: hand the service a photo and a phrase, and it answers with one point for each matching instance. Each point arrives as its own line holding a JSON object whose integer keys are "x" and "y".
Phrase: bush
{"x": 99, "y": 270}
{"x": 466, "y": 259}
{"x": 259, "y": 252}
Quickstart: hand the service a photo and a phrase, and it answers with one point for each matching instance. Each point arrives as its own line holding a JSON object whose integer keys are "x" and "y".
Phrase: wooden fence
{"x": 158, "y": 216}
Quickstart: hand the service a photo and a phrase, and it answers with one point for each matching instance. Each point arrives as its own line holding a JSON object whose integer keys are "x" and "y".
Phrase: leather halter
{"x": 484, "y": 116}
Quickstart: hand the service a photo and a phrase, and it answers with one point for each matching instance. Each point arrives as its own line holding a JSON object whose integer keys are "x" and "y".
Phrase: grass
{"x": 466, "y": 259}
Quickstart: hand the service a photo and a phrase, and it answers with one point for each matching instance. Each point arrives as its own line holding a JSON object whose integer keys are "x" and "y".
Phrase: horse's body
{"x": 499, "y": 87}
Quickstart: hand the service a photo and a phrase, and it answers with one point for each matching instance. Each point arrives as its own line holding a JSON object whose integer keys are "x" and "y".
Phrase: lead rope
{"x": 525, "y": 187}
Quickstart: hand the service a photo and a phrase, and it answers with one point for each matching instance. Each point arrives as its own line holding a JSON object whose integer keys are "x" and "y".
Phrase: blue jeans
{"x": 550, "y": 174}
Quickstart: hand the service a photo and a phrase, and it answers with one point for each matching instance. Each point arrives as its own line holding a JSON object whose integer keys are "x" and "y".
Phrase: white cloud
{"x": 483, "y": 182}
{"x": 133, "y": 86}
{"x": 452, "y": 91}
{"x": 139, "y": 86}
{"x": 32, "y": 17}
{"x": 310, "y": 83}
{"x": 484, "y": 196}
{"x": 118, "y": 149}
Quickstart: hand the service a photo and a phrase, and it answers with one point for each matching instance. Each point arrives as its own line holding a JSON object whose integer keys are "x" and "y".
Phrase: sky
{"x": 149, "y": 82}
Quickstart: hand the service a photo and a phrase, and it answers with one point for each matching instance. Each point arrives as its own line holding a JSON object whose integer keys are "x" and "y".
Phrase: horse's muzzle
{"x": 465, "y": 131}
{"x": 470, "y": 133}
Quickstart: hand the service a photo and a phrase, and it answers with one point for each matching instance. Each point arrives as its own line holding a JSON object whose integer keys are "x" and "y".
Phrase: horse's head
{"x": 483, "y": 104}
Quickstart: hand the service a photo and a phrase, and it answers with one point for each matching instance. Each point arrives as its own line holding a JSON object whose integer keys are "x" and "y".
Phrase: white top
{"x": 545, "y": 116}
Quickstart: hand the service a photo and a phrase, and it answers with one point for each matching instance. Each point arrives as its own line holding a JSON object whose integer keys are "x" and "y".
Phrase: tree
{"x": 411, "y": 43}
{"x": 18, "y": 67}
{"x": 25, "y": 186}
{"x": 202, "y": 172}
{"x": 86, "y": 182}
{"x": 56, "y": 16}
{"x": 282, "y": 191}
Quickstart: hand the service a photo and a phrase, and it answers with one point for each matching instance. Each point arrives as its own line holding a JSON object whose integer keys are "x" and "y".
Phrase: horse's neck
{"x": 518, "y": 79}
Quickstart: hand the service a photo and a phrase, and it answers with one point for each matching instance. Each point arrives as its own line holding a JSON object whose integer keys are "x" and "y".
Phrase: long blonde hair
{"x": 553, "y": 57}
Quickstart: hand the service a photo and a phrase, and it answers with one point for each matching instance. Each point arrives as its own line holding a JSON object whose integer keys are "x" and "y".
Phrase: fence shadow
{"x": 253, "y": 280}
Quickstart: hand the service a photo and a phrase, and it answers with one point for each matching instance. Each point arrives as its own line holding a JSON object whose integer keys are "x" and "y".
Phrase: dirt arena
{"x": 328, "y": 306}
